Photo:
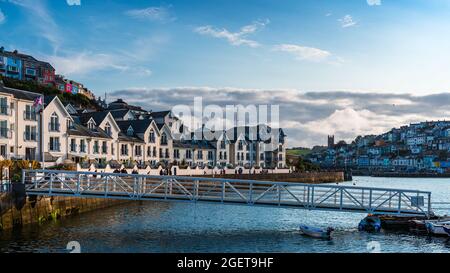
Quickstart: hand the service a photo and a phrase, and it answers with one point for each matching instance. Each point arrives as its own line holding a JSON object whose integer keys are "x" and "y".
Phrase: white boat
{"x": 437, "y": 228}
{"x": 317, "y": 232}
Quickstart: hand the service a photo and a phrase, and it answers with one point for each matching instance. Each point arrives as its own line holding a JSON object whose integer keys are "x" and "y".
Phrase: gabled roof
{"x": 139, "y": 126}
{"x": 98, "y": 117}
{"x": 159, "y": 114}
{"x": 80, "y": 130}
{"x": 119, "y": 113}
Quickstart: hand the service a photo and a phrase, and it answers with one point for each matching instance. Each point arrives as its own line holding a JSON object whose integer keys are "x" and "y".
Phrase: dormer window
{"x": 91, "y": 125}
{"x": 130, "y": 131}
{"x": 108, "y": 129}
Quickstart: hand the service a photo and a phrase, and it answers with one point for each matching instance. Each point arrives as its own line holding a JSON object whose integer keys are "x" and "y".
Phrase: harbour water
{"x": 144, "y": 227}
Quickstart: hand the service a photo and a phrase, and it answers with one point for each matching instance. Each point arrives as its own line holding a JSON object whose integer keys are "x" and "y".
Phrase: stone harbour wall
{"x": 41, "y": 209}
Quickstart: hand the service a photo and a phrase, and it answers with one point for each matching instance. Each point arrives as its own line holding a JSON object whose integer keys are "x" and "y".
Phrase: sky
{"x": 343, "y": 67}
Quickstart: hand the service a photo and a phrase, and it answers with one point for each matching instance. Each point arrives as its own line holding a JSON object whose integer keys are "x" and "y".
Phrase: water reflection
{"x": 182, "y": 227}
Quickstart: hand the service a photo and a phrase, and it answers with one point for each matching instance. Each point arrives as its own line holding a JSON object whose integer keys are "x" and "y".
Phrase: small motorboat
{"x": 447, "y": 229}
{"x": 370, "y": 224}
{"x": 316, "y": 232}
{"x": 437, "y": 228}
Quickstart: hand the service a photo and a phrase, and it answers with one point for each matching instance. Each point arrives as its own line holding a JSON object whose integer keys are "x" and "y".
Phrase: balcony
{"x": 54, "y": 127}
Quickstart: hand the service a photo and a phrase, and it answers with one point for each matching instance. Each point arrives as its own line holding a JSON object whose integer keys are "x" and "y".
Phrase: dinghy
{"x": 316, "y": 232}
{"x": 370, "y": 224}
{"x": 437, "y": 228}
{"x": 447, "y": 229}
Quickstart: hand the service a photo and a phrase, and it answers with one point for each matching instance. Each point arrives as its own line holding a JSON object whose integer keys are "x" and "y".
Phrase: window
{"x": 4, "y": 132}
{"x": 30, "y": 133}
{"x": 30, "y": 113}
{"x": 247, "y": 156}
{"x": 91, "y": 125}
{"x": 149, "y": 151}
{"x": 54, "y": 144}
{"x": 104, "y": 147}
{"x": 161, "y": 152}
{"x": 138, "y": 150}
{"x": 163, "y": 139}
{"x": 240, "y": 145}
{"x": 151, "y": 137}
{"x": 54, "y": 123}
{"x": 280, "y": 157}
{"x": 130, "y": 131}
{"x": 82, "y": 146}
{"x": 31, "y": 72}
{"x": 220, "y": 155}
{"x": 124, "y": 149}
{"x": 154, "y": 152}
{"x": 73, "y": 145}
{"x": 108, "y": 129}
{"x": 225, "y": 155}
{"x": 200, "y": 154}
{"x": 30, "y": 153}
{"x": 167, "y": 153}
{"x": 96, "y": 147}
{"x": 3, "y": 106}
{"x": 261, "y": 157}
{"x": 188, "y": 154}
{"x": 176, "y": 153}
{"x": 112, "y": 149}
{"x": 3, "y": 149}
{"x": 222, "y": 145}
{"x": 210, "y": 155}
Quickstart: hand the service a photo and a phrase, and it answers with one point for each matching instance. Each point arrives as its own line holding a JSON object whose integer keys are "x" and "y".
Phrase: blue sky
{"x": 358, "y": 46}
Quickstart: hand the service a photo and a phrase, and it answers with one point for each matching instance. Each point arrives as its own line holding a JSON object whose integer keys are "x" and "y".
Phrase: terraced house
{"x": 124, "y": 134}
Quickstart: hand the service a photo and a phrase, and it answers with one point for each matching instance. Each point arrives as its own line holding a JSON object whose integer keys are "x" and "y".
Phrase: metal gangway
{"x": 228, "y": 191}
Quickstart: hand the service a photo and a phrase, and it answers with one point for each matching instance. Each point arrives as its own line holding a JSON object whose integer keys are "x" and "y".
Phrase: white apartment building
{"x": 122, "y": 136}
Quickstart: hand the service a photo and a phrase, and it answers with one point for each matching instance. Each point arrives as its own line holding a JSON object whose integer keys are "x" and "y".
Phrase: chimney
{"x": 2, "y": 49}
{"x": 15, "y": 51}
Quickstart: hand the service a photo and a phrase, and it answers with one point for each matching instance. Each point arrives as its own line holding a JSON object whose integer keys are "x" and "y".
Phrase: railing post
{"x": 223, "y": 191}
{"x": 279, "y": 194}
{"x": 312, "y": 196}
{"x": 341, "y": 200}
{"x": 51, "y": 183}
{"x": 106, "y": 187}
{"x": 399, "y": 202}
{"x": 78, "y": 184}
{"x": 166, "y": 182}
{"x": 370, "y": 200}
{"x": 429, "y": 204}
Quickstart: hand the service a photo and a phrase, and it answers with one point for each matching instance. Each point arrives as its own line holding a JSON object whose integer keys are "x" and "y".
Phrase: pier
{"x": 370, "y": 200}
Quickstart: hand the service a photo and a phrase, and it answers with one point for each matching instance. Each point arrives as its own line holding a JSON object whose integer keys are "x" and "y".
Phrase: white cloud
{"x": 74, "y": 2}
{"x": 304, "y": 52}
{"x": 42, "y": 20}
{"x": 349, "y": 121}
{"x": 2, "y": 17}
{"x": 234, "y": 38}
{"x": 160, "y": 14}
{"x": 84, "y": 63}
{"x": 374, "y": 2}
{"x": 347, "y": 21}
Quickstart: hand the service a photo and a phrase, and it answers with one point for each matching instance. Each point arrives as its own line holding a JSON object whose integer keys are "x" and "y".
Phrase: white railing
{"x": 228, "y": 191}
